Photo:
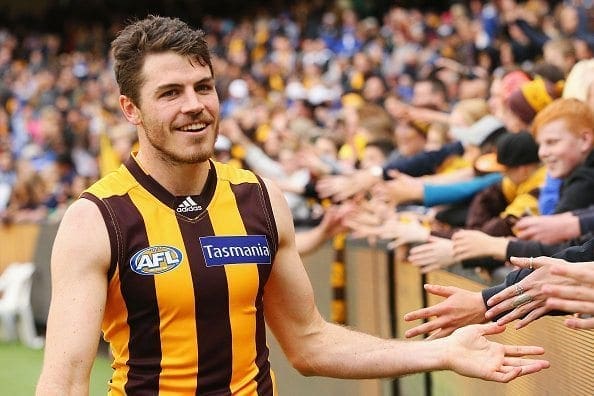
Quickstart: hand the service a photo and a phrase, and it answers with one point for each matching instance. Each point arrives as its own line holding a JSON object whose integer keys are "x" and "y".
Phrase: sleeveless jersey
{"x": 184, "y": 311}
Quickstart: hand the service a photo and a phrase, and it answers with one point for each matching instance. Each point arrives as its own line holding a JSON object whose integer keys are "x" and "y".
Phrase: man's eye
{"x": 168, "y": 94}
{"x": 204, "y": 88}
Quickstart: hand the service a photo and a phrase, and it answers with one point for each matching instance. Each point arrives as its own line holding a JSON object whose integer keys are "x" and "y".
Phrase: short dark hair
{"x": 154, "y": 34}
{"x": 386, "y": 146}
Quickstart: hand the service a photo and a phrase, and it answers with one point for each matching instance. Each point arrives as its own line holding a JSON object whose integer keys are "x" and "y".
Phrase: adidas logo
{"x": 188, "y": 205}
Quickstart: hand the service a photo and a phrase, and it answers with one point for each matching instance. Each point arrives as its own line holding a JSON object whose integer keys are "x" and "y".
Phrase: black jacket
{"x": 577, "y": 188}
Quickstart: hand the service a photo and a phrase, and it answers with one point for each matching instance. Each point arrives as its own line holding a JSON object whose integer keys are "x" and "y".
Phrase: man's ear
{"x": 131, "y": 112}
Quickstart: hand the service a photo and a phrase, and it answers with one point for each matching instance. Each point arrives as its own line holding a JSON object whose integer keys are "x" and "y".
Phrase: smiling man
{"x": 183, "y": 296}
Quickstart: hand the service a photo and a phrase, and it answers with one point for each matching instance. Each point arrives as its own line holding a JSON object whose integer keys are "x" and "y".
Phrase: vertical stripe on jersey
{"x": 214, "y": 342}
{"x": 251, "y": 218}
{"x": 143, "y": 312}
{"x": 243, "y": 286}
{"x": 118, "y": 337}
{"x": 177, "y": 329}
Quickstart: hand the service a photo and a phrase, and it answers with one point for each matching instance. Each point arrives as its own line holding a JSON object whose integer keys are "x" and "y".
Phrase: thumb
{"x": 489, "y": 328}
{"x": 439, "y": 290}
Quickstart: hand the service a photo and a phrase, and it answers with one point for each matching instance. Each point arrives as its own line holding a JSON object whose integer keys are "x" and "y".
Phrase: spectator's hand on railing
{"x": 460, "y": 308}
{"x": 525, "y": 300}
{"x": 436, "y": 254}
{"x": 573, "y": 298}
{"x": 468, "y": 244}
{"x": 548, "y": 229}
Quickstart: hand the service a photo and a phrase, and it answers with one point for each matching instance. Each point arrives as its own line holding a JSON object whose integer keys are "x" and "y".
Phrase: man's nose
{"x": 192, "y": 103}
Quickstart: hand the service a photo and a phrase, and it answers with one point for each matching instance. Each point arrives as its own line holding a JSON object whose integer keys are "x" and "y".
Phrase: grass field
{"x": 21, "y": 367}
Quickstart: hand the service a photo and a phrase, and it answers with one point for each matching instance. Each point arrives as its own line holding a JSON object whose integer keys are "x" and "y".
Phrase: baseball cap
{"x": 513, "y": 149}
{"x": 477, "y": 133}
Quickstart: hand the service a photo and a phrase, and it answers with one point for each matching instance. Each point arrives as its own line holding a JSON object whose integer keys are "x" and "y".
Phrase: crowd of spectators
{"x": 427, "y": 112}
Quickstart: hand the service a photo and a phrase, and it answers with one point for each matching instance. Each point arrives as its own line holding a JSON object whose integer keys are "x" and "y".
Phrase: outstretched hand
{"x": 473, "y": 355}
{"x": 401, "y": 188}
{"x": 573, "y": 298}
{"x": 538, "y": 228}
{"x": 436, "y": 254}
{"x": 460, "y": 308}
{"x": 525, "y": 300}
{"x": 341, "y": 187}
{"x": 469, "y": 244}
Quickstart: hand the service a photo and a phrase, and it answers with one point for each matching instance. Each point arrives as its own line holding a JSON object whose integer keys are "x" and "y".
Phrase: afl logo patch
{"x": 155, "y": 260}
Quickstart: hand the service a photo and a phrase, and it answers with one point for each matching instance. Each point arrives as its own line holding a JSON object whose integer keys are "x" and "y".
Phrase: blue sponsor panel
{"x": 237, "y": 249}
{"x": 155, "y": 260}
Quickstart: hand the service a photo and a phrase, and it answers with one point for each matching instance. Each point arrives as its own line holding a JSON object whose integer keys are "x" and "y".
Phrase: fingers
{"x": 508, "y": 373}
{"x": 338, "y": 188}
{"x": 438, "y": 290}
{"x": 489, "y": 328}
{"x": 586, "y": 307}
{"x": 436, "y": 310}
{"x": 326, "y": 187}
{"x": 504, "y": 306}
{"x": 570, "y": 292}
{"x": 464, "y": 246}
{"x": 422, "y": 255}
{"x": 532, "y": 316}
{"x": 570, "y": 298}
{"x": 506, "y": 294}
{"x": 514, "y": 366}
{"x": 500, "y": 376}
{"x": 578, "y": 272}
{"x": 444, "y": 332}
{"x": 580, "y": 323}
{"x": 425, "y": 328}
{"x": 527, "y": 366}
{"x": 523, "y": 350}
{"x": 525, "y": 229}
{"x": 423, "y": 313}
{"x": 515, "y": 313}
{"x": 530, "y": 262}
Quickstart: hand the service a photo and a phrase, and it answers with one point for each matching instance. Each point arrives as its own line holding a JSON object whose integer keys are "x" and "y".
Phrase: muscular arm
{"x": 79, "y": 263}
{"x": 316, "y": 347}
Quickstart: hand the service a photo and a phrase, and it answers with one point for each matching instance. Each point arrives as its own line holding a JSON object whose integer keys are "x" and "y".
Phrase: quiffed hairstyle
{"x": 152, "y": 35}
{"x": 577, "y": 115}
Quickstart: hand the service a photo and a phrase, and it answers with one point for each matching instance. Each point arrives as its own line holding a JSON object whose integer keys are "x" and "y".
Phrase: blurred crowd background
{"x": 310, "y": 91}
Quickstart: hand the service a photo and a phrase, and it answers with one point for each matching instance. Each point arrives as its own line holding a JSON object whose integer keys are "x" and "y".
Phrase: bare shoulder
{"x": 282, "y": 213}
{"x": 83, "y": 237}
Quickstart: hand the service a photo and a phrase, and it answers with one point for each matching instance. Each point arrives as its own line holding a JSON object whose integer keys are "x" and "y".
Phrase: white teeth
{"x": 193, "y": 127}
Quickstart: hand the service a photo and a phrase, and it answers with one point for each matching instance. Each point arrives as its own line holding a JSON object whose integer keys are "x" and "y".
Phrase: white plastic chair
{"x": 16, "y": 314}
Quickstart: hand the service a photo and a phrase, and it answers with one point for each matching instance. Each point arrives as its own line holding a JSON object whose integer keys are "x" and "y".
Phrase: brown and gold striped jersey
{"x": 184, "y": 312}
